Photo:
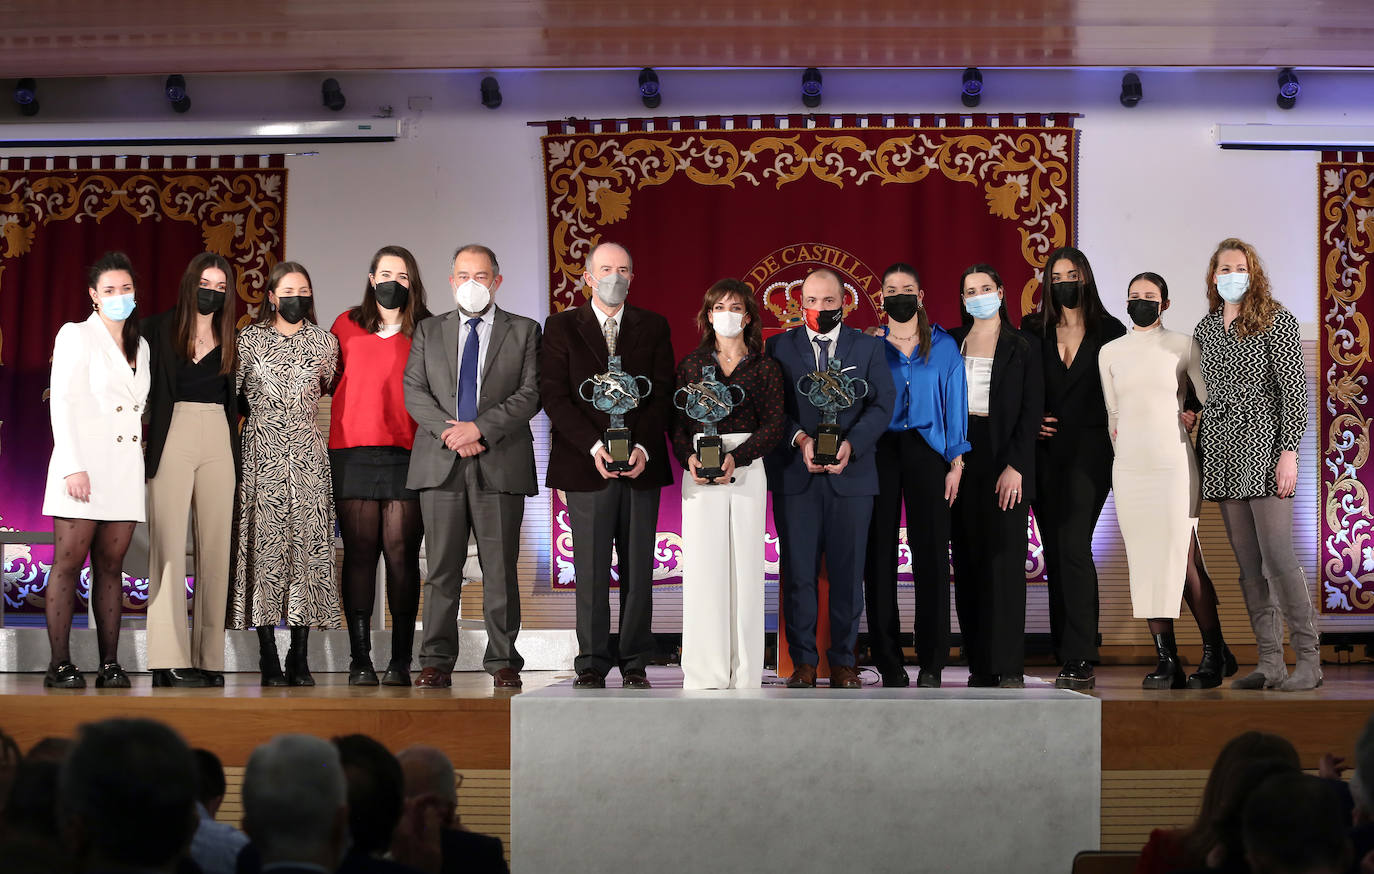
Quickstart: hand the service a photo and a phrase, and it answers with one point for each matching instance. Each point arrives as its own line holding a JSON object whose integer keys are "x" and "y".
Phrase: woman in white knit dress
{"x": 1145, "y": 377}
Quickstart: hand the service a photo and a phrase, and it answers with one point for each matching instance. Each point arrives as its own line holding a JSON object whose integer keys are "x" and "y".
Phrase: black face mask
{"x": 292, "y": 308}
{"x": 209, "y": 301}
{"x": 1143, "y": 312}
{"x": 1067, "y": 294}
{"x": 901, "y": 307}
{"x": 391, "y": 295}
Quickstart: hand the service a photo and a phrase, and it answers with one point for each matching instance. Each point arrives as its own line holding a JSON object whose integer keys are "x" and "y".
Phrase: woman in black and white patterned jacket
{"x": 1255, "y": 415}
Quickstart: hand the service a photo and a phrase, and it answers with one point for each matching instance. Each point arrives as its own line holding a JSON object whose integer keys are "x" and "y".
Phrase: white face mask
{"x": 612, "y": 289}
{"x": 727, "y": 324}
{"x": 472, "y": 297}
{"x": 1232, "y": 286}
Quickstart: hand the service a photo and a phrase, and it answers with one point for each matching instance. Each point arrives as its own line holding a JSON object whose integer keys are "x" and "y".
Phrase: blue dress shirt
{"x": 932, "y": 396}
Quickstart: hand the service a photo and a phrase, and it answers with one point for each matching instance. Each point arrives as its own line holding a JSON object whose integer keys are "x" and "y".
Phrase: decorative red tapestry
{"x": 57, "y": 215}
{"x": 698, "y": 199}
{"x": 1345, "y": 235}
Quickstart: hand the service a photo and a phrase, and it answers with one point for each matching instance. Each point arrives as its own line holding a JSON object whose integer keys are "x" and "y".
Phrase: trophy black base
{"x": 619, "y": 446}
{"x": 827, "y": 447}
{"x": 710, "y": 457}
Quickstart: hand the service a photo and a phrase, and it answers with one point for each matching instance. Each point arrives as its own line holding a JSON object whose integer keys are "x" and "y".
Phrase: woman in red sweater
{"x": 370, "y": 435}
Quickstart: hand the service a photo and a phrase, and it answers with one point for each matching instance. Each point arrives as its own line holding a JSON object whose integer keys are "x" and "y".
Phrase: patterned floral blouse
{"x": 284, "y": 552}
{"x": 760, "y": 414}
{"x": 1256, "y": 405}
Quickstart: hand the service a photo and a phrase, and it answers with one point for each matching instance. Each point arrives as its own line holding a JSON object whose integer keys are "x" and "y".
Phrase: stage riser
{"x": 26, "y": 649}
{"x": 777, "y": 780}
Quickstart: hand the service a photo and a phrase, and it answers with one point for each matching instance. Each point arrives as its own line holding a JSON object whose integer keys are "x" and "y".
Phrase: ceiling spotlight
{"x": 1289, "y": 88}
{"x": 1131, "y": 92}
{"x": 26, "y": 95}
{"x": 648, "y": 88}
{"x": 811, "y": 87}
{"x": 491, "y": 92}
{"x": 332, "y": 95}
{"x": 973, "y": 87}
{"x": 175, "y": 88}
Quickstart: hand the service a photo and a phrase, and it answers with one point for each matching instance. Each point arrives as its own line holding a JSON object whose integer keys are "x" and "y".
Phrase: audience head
{"x": 376, "y": 792}
{"x": 1362, "y": 779}
{"x": 429, "y": 776}
{"x": 1243, "y": 749}
{"x": 1294, "y": 824}
{"x": 51, "y": 749}
{"x": 126, "y": 795}
{"x": 210, "y": 784}
{"x": 9, "y": 761}
{"x": 295, "y": 801}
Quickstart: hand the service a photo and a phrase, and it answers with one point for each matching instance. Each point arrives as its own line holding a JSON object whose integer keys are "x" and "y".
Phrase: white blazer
{"x": 97, "y": 405}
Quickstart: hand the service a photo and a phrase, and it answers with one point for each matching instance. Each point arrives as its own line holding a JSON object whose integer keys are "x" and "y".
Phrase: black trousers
{"x": 909, "y": 472}
{"x": 989, "y": 564}
{"x": 1073, "y": 475}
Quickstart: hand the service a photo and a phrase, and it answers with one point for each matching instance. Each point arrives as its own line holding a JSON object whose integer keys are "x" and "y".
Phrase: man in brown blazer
{"x": 606, "y": 508}
{"x": 472, "y": 386}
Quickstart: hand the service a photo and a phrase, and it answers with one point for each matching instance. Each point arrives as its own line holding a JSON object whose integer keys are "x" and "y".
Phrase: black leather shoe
{"x": 112, "y": 676}
{"x": 983, "y": 681}
{"x": 634, "y": 678}
{"x": 1228, "y": 662}
{"x": 397, "y": 674}
{"x": 297, "y": 660}
{"x": 589, "y": 680}
{"x": 1075, "y": 675}
{"x": 927, "y": 679}
{"x": 63, "y": 676}
{"x": 269, "y": 663}
{"x": 213, "y": 678}
{"x": 1209, "y": 670}
{"x": 180, "y": 678}
{"x": 362, "y": 674}
{"x": 360, "y": 670}
{"x": 896, "y": 680}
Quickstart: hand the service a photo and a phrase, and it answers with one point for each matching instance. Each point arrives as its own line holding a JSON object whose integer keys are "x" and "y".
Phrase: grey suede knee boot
{"x": 1264, "y": 620}
{"x": 1295, "y": 600}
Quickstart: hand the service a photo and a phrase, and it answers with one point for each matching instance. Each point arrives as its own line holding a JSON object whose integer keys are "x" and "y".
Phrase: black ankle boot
{"x": 1209, "y": 671}
{"x": 1168, "y": 674}
{"x": 297, "y": 658}
{"x": 402, "y": 639}
{"x": 360, "y": 670}
{"x": 269, "y": 663}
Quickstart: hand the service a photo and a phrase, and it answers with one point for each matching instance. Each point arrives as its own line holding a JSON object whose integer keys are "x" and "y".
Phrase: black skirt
{"x": 371, "y": 473}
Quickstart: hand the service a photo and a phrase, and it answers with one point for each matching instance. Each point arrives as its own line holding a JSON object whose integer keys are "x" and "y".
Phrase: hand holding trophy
{"x": 615, "y": 393}
{"x": 708, "y": 402}
{"x": 830, "y": 391}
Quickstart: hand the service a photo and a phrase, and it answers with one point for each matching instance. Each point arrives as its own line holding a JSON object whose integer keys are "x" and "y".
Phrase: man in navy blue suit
{"x": 824, "y": 510}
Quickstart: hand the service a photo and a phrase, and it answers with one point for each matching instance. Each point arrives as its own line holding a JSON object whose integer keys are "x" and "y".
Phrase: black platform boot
{"x": 1209, "y": 671}
{"x": 402, "y": 640}
{"x": 1168, "y": 674}
{"x": 360, "y": 670}
{"x": 269, "y": 663}
{"x": 297, "y": 658}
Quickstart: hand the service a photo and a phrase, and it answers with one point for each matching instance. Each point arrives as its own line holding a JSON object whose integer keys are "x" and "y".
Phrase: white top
{"x": 979, "y": 373}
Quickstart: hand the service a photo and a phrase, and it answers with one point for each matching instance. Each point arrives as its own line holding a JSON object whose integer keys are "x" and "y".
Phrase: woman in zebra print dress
{"x": 284, "y": 555}
{"x": 1255, "y": 414}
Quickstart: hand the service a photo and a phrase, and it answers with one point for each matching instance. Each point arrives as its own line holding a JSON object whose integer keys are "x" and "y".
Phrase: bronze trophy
{"x": 615, "y": 393}
{"x": 708, "y": 402}
{"x": 830, "y": 391}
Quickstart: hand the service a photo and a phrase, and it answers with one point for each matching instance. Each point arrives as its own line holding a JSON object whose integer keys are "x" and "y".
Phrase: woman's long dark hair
{"x": 996, "y": 280}
{"x": 1046, "y": 317}
{"x": 107, "y": 263}
{"x": 223, "y": 322}
{"x": 368, "y": 316}
{"x": 268, "y": 314}
{"x": 922, "y": 320}
{"x": 721, "y": 289}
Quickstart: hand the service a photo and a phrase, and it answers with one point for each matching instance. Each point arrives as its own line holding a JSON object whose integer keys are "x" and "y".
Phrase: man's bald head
{"x": 427, "y": 771}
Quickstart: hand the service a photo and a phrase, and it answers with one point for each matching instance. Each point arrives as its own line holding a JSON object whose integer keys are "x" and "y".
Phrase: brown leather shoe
{"x": 506, "y": 678}
{"x": 803, "y": 677}
{"x": 433, "y": 678}
{"x": 634, "y": 678}
{"x": 589, "y": 680}
{"x": 845, "y": 677}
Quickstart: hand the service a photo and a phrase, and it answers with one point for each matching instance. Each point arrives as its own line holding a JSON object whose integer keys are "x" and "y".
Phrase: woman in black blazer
{"x": 190, "y": 465}
{"x": 1074, "y": 454}
{"x": 1005, "y": 399}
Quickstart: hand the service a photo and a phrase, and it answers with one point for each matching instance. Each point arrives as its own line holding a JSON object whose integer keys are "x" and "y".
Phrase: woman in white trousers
{"x": 729, "y": 381}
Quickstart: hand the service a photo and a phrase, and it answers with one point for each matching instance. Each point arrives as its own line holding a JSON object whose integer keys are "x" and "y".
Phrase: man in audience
{"x": 126, "y": 797}
{"x": 431, "y": 783}
{"x": 1294, "y": 825}
{"x": 1362, "y": 791}
{"x": 376, "y": 801}
{"x": 295, "y": 805}
{"x": 216, "y": 845}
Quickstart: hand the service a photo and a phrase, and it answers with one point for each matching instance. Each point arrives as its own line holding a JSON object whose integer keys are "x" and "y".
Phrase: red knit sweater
{"x": 369, "y": 406}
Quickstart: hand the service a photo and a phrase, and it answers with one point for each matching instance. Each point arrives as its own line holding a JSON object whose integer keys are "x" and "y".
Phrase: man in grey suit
{"x": 472, "y": 386}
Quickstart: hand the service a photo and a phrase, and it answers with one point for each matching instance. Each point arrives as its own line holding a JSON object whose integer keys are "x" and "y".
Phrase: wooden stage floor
{"x": 1156, "y": 746}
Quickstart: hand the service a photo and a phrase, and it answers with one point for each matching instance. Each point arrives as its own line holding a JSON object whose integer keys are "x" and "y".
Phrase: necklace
{"x": 900, "y": 337}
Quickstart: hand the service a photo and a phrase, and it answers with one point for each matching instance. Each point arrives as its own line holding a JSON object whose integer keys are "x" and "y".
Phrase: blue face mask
{"x": 1232, "y": 286}
{"x": 117, "y": 307}
{"x": 983, "y": 306}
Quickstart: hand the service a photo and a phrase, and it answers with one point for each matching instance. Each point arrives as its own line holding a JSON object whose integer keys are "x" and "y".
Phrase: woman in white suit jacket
{"x": 99, "y": 387}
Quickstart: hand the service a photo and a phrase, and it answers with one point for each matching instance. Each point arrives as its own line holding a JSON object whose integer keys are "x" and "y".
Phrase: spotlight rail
{"x": 1293, "y": 137}
{"x": 371, "y": 130}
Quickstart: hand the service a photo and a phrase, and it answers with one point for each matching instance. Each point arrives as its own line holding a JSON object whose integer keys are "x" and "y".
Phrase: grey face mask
{"x": 613, "y": 289}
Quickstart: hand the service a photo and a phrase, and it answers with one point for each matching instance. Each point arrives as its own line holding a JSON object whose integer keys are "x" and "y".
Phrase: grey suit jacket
{"x": 509, "y": 398}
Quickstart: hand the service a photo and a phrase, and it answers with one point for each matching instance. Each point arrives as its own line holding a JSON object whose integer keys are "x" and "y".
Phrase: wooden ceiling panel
{"x": 98, "y": 37}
